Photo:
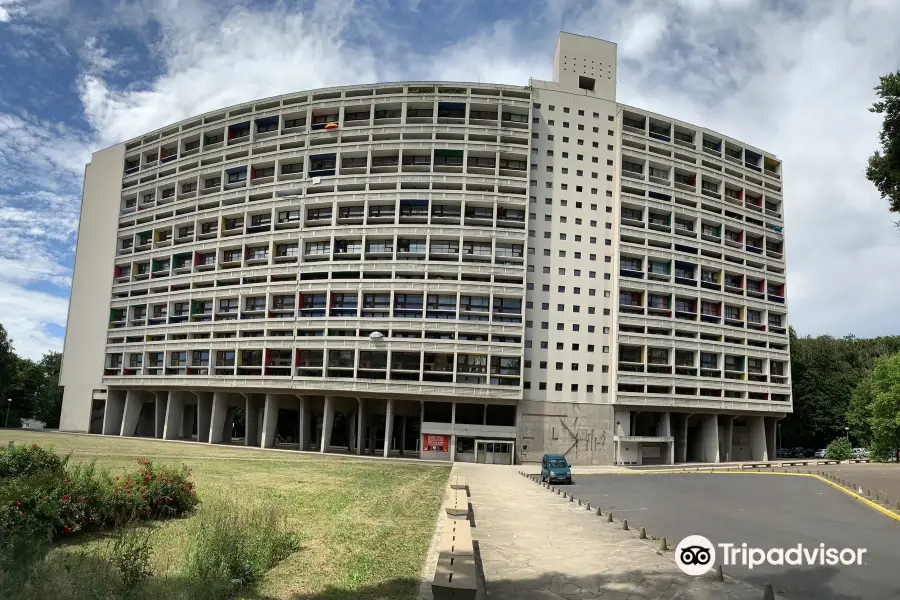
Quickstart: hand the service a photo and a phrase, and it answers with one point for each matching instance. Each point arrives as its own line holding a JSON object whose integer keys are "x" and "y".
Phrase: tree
{"x": 48, "y": 402}
{"x": 884, "y": 164}
{"x": 884, "y": 420}
{"x": 825, "y": 373}
{"x": 839, "y": 449}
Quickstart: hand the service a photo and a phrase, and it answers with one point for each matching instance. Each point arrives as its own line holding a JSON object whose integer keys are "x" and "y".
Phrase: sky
{"x": 792, "y": 77}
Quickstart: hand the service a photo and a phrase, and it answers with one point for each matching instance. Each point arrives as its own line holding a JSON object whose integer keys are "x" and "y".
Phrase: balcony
{"x": 636, "y": 174}
{"x": 660, "y": 224}
{"x": 756, "y": 325}
{"x": 709, "y": 317}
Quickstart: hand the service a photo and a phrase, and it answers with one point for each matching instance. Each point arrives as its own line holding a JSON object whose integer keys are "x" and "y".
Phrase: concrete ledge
{"x": 459, "y": 504}
{"x": 794, "y": 463}
{"x": 457, "y": 482}
{"x": 454, "y": 578}
{"x": 828, "y": 462}
{"x": 858, "y": 460}
{"x": 763, "y": 465}
{"x": 456, "y": 539}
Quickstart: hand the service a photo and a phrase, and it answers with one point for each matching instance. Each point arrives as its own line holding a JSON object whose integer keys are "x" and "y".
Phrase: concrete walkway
{"x": 533, "y": 544}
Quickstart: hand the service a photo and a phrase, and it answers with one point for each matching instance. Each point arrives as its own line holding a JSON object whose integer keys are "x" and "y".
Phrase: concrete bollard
{"x": 720, "y": 576}
{"x": 571, "y": 498}
{"x": 769, "y": 592}
{"x": 663, "y": 545}
{"x": 579, "y": 502}
{"x": 558, "y": 491}
{"x": 600, "y": 510}
{"x": 609, "y": 518}
{"x": 625, "y": 524}
{"x": 587, "y": 505}
{"x": 868, "y": 492}
{"x": 565, "y": 494}
{"x": 643, "y": 534}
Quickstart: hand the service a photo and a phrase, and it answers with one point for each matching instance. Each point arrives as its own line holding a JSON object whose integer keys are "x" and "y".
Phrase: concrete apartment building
{"x": 457, "y": 271}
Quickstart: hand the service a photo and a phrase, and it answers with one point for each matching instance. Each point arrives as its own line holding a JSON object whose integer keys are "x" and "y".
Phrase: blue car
{"x": 555, "y": 468}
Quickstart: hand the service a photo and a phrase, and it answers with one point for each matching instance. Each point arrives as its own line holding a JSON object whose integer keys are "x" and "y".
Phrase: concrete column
{"x": 771, "y": 424}
{"x": 228, "y": 428}
{"x": 160, "y": 416}
{"x": 189, "y": 416}
{"x": 174, "y": 416}
{"x": 388, "y": 426}
{"x": 351, "y": 432}
{"x": 361, "y": 426}
{"x": 113, "y": 412}
{"x": 727, "y": 438}
{"x": 402, "y": 443}
{"x": 204, "y": 416}
{"x": 709, "y": 431}
{"x": 757, "y": 428}
{"x": 327, "y": 424}
{"x": 681, "y": 449}
{"x": 260, "y": 412}
{"x": 251, "y": 421}
{"x": 303, "y": 414}
{"x": 134, "y": 402}
{"x": 372, "y": 421}
{"x": 270, "y": 419}
{"x": 453, "y": 446}
{"x": 664, "y": 427}
{"x": 217, "y": 420}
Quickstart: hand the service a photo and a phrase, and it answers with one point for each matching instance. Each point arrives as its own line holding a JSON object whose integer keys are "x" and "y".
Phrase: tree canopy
{"x": 32, "y": 386}
{"x": 884, "y": 164}
{"x": 826, "y": 373}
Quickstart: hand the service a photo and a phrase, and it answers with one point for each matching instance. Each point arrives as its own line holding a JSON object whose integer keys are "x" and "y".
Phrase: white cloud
{"x": 643, "y": 36}
{"x": 26, "y": 314}
{"x": 795, "y": 80}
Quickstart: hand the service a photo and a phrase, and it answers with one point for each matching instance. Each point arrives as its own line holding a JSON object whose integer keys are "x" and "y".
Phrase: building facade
{"x": 454, "y": 270}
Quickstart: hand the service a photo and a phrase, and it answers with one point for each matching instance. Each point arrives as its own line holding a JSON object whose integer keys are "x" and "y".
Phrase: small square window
{"x": 605, "y": 349}
{"x": 589, "y": 389}
{"x": 558, "y": 387}
{"x": 574, "y": 387}
{"x": 542, "y": 385}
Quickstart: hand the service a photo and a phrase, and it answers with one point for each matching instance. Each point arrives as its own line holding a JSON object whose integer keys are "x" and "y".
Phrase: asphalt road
{"x": 765, "y": 511}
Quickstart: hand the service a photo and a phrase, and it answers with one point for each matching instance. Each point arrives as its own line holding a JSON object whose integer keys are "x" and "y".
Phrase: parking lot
{"x": 764, "y": 511}
{"x": 883, "y": 478}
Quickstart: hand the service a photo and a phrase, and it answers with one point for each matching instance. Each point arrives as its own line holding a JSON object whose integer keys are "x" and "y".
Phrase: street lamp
{"x": 847, "y": 433}
{"x": 8, "y": 407}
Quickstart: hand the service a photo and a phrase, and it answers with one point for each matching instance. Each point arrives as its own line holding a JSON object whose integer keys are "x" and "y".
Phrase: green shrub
{"x": 839, "y": 449}
{"x": 50, "y": 502}
{"x": 234, "y": 545}
{"x": 19, "y": 460}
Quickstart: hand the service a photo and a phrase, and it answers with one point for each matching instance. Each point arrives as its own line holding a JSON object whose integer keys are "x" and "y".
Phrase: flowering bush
{"x": 18, "y": 460}
{"x": 54, "y": 502}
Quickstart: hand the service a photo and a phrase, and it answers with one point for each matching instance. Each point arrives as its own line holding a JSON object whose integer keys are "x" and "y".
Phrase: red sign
{"x": 435, "y": 443}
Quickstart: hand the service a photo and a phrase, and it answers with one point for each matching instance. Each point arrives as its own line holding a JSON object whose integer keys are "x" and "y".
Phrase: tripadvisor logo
{"x": 696, "y": 555}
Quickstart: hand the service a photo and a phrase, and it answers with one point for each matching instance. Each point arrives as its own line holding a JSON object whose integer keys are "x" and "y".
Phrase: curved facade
{"x": 344, "y": 266}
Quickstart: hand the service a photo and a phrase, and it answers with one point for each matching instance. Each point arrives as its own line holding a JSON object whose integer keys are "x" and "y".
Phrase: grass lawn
{"x": 364, "y": 525}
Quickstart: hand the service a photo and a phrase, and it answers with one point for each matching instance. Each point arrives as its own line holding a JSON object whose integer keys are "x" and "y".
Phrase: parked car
{"x": 860, "y": 453}
{"x": 555, "y": 468}
{"x": 798, "y": 453}
{"x": 783, "y": 453}
{"x": 820, "y": 453}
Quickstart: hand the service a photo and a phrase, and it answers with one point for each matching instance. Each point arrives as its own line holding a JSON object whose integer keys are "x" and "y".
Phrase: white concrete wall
{"x": 88, "y": 318}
